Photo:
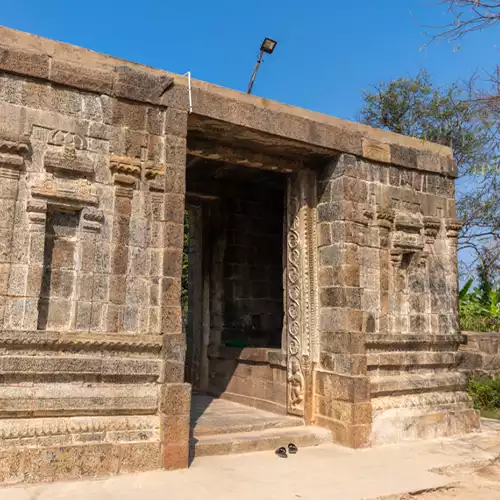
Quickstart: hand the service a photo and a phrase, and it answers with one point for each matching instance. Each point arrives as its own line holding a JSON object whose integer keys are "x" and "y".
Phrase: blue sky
{"x": 328, "y": 51}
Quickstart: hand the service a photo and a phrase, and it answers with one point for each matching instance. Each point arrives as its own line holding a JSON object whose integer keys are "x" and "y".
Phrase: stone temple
{"x": 322, "y": 270}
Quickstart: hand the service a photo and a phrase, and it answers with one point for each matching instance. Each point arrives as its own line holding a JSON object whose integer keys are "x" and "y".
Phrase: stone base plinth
{"x": 422, "y": 416}
{"x": 52, "y": 449}
{"x": 32, "y": 464}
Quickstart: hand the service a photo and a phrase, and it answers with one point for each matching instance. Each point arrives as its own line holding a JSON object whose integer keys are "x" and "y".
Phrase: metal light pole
{"x": 267, "y": 47}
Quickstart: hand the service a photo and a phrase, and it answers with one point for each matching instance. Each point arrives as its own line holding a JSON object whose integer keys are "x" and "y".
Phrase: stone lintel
{"x": 212, "y": 150}
{"x": 70, "y": 196}
{"x": 68, "y": 161}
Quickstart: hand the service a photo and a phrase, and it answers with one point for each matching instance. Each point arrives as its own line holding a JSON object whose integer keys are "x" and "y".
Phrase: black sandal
{"x": 281, "y": 452}
{"x": 292, "y": 449}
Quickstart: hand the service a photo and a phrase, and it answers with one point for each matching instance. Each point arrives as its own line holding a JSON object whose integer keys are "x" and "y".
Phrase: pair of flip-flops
{"x": 281, "y": 452}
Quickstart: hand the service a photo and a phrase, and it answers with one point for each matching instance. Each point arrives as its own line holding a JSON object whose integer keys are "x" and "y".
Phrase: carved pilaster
{"x": 294, "y": 320}
{"x": 301, "y": 290}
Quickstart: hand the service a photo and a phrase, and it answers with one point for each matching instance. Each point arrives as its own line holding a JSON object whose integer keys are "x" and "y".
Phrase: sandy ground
{"x": 469, "y": 483}
{"x": 465, "y": 467}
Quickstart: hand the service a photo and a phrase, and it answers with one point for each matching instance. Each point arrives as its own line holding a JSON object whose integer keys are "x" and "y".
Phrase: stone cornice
{"x": 21, "y": 339}
{"x": 29, "y": 55}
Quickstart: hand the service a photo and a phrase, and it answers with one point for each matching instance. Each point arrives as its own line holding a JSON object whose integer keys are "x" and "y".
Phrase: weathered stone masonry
{"x": 92, "y": 194}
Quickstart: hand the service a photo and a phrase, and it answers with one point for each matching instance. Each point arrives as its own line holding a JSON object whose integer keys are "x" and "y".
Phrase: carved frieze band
{"x": 19, "y": 340}
{"x": 67, "y": 139}
{"x": 22, "y": 428}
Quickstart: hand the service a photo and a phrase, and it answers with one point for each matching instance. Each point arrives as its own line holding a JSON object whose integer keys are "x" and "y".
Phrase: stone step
{"x": 268, "y": 439}
{"x": 234, "y": 427}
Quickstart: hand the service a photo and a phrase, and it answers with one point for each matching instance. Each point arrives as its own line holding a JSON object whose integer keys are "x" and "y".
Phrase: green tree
{"x": 452, "y": 116}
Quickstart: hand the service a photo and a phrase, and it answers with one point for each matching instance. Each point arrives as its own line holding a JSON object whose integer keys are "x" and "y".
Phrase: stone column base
{"x": 422, "y": 416}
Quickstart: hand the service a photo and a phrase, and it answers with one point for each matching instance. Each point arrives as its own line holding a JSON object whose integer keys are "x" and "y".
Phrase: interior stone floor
{"x": 211, "y": 415}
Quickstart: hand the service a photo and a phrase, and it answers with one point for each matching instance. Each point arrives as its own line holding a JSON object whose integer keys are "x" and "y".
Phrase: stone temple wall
{"x": 91, "y": 234}
{"x": 388, "y": 320}
{"x": 480, "y": 356}
{"x": 92, "y": 195}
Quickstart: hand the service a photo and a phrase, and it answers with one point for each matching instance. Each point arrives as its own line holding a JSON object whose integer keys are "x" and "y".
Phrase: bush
{"x": 485, "y": 393}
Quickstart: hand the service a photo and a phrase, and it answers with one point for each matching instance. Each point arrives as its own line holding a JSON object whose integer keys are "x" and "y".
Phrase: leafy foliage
{"x": 415, "y": 107}
{"x": 457, "y": 117}
{"x": 485, "y": 393}
{"x": 480, "y": 308}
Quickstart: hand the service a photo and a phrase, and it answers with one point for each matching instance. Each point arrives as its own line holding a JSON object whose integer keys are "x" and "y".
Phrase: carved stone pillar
{"x": 301, "y": 289}
{"x": 12, "y": 279}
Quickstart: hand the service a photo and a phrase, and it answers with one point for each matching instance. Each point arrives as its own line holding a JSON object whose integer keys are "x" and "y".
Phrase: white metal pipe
{"x": 188, "y": 74}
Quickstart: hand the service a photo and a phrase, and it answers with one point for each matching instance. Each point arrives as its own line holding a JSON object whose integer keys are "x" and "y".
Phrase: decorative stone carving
{"x": 67, "y": 139}
{"x": 12, "y": 155}
{"x": 37, "y": 211}
{"x": 432, "y": 225}
{"x": 74, "y": 194}
{"x": 69, "y": 162}
{"x": 25, "y": 428}
{"x": 126, "y": 170}
{"x": 453, "y": 227}
{"x": 155, "y": 174}
{"x": 297, "y": 384}
{"x": 113, "y": 342}
{"x": 407, "y": 234}
{"x": 385, "y": 218}
{"x": 92, "y": 219}
{"x": 294, "y": 317}
{"x": 67, "y": 399}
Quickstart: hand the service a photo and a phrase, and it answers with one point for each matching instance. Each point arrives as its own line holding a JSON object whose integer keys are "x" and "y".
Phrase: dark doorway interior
{"x": 235, "y": 267}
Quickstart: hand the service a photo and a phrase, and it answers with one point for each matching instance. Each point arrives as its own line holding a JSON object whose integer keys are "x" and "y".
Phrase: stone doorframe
{"x": 301, "y": 339}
